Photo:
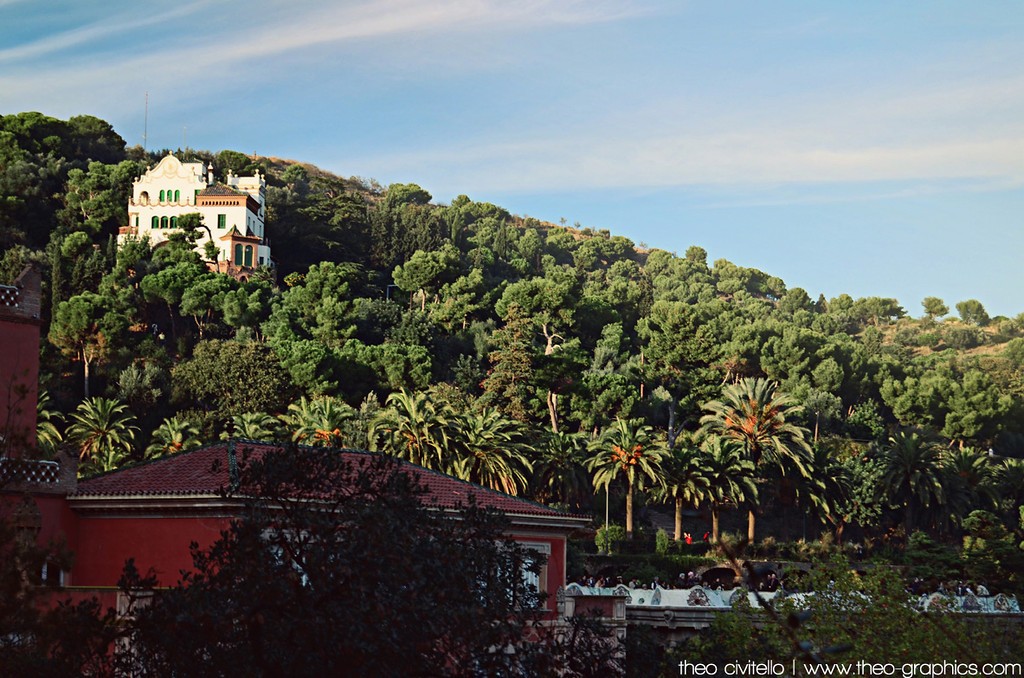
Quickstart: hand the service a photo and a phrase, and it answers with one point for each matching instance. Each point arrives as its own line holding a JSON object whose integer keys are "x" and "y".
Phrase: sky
{"x": 867, "y": 148}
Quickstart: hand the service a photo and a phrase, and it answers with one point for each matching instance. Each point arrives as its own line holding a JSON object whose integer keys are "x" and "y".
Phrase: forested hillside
{"x": 488, "y": 345}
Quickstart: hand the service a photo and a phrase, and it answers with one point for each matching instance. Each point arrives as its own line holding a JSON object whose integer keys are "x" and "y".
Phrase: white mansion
{"x": 233, "y": 212}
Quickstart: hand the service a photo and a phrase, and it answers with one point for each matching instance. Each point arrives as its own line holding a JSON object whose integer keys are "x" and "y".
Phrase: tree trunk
{"x": 549, "y": 348}
{"x": 679, "y": 518}
{"x": 174, "y": 325}
{"x": 751, "y": 520}
{"x": 553, "y": 410}
{"x": 714, "y": 524}
{"x": 642, "y": 363}
{"x": 629, "y": 512}
{"x": 85, "y": 370}
{"x": 671, "y": 433}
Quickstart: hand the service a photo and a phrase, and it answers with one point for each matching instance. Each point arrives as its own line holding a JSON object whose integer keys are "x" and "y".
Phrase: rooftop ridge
{"x": 184, "y": 478}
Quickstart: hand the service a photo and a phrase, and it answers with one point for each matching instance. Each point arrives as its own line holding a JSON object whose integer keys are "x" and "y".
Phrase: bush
{"x": 606, "y": 538}
{"x": 661, "y": 542}
{"x": 962, "y": 338}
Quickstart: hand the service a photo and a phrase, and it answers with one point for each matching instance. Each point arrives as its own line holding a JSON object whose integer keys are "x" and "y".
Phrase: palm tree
{"x": 731, "y": 478}
{"x": 826, "y": 488}
{"x": 753, "y": 413}
{"x": 318, "y": 422}
{"x": 913, "y": 474}
{"x": 173, "y": 436}
{"x": 48, "y": 435}
{"x": 971, "y": 473}
{"x": 559, "y": 475}
{"x": 685, "y": 481}
{"x": 627, "y": 449}
{"x": 413, "y": 428}
{"x": 491, "y": 451}
{"x": 102, "y": 432}
{"x": 1010, "y": 478}
{"x": 253, "y": 426}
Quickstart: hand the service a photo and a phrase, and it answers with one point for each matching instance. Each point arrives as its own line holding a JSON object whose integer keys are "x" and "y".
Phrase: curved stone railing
{"x": 702, "y": 597}
{"x": 997, "y": 604}
{"x": 697, "y": 596}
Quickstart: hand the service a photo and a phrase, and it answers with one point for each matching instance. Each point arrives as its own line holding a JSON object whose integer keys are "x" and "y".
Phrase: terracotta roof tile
{"x": 204, "y": 471}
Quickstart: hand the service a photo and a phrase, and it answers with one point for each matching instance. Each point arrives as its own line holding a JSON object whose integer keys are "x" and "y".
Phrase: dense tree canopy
{"x": 497, "y": 347}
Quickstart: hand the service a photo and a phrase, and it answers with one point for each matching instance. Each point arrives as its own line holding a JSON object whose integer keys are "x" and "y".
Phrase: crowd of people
{"x": 920, "y": 587}
{"x": 685, "y": 580}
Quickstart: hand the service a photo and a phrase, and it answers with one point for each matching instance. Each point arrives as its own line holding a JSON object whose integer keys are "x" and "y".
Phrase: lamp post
{"x": 607, "y": 500}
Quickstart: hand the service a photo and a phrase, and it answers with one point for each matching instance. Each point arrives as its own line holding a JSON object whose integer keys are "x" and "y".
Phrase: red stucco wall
{"x": 555, "y": 567}
{"x": 162, "y": 543}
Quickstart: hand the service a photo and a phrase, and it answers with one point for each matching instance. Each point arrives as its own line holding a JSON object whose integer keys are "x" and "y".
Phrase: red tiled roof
{"x": 221, "y": 189}
{"x": 205, "y": 471}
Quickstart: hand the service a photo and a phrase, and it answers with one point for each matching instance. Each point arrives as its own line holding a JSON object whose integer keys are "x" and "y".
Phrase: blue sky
{"x": 871, "y": 148}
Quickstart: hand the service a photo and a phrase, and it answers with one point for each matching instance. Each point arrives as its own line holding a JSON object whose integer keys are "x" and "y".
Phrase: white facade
{"x": 233, "y": 212}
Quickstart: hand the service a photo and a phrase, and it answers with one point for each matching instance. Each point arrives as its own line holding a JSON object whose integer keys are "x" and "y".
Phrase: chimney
{"x": 209, "y": 175}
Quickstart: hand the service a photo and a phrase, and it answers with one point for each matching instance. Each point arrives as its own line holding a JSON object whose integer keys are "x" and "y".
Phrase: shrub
{"x": 607, "y": 537}
{"x": 963, "y": 338}
{"x": 661, "y": 542}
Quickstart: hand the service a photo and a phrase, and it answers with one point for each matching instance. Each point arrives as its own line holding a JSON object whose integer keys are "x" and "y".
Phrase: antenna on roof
{"x": 145, "y": 125}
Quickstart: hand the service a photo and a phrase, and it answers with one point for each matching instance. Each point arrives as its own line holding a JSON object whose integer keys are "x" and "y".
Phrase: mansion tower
{"x": 233, "y": 212}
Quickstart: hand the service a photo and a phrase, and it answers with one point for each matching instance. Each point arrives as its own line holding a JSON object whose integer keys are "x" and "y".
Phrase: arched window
{"x": 238, "y": 255}
{"x": 161, "y": 196}
{"x": 144, "y": 197}
{"x": 248, "y": 255}
{"x": 174, "y": 222}
{"x": 155, "y": 223}
{"x": 177, "y": 196}
{"x": 163, "y": 222}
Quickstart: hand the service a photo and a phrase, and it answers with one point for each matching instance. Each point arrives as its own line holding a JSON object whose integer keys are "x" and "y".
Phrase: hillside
{"x": 446, "y": 333}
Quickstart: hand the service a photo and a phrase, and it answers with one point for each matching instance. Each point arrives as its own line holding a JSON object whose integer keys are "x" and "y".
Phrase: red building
{"x": 151, "y": 512}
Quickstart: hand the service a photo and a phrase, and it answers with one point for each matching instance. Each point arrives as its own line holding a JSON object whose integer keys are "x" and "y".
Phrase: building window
{"x": 163, "y": 222}
{"x": 177, "y": 196}
{"x": 222, "y": 221}
{"x": 197, "y": 196}
{"x": 535, "y": 572}
{"x": 174, "y": 222}
{"x": 155, "y": 223}
{"x": 248, "y": 255}
{"x": 238, "y": 255}
{"x": 161, "y": 196}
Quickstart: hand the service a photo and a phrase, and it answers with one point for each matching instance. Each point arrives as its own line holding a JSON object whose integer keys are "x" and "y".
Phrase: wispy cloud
{"x": 94, "y": 33}
{"x": 271, "y": 32}
{"x": 42, "y": 72}
{"x": 952, "y": 129}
